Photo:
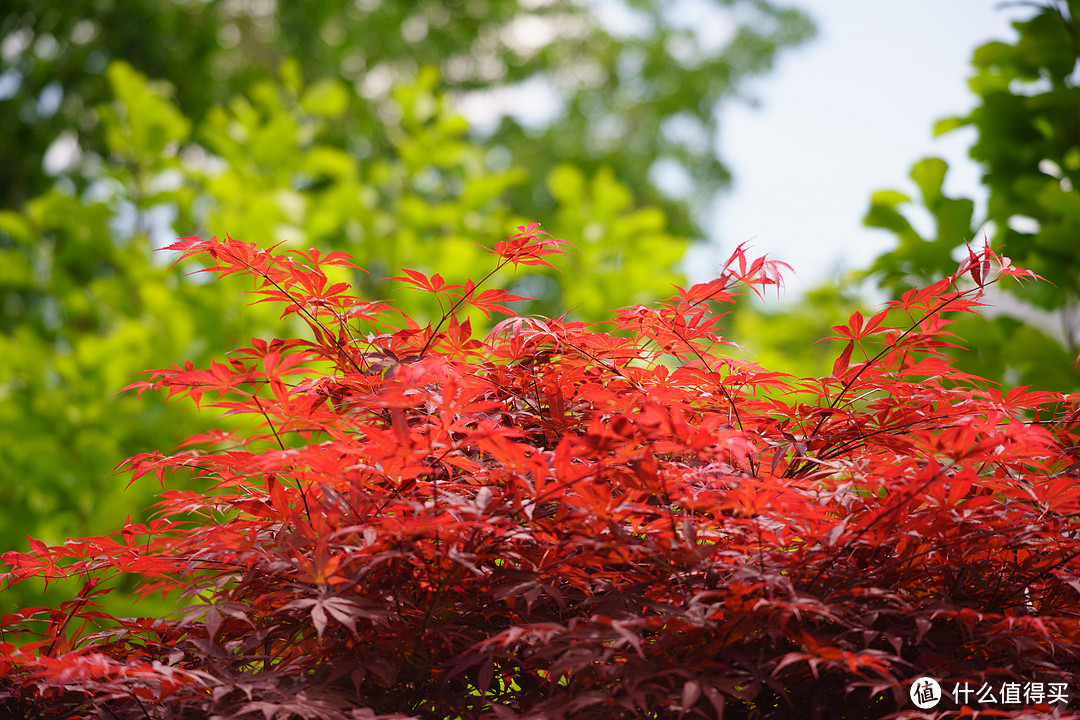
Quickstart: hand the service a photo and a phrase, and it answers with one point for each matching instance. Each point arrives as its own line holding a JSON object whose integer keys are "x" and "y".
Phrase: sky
{"x": 842, "y": 116}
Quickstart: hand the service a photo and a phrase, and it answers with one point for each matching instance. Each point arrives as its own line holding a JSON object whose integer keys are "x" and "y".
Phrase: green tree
{"x": 1028, "y": 142}
{"x": 628, "y": 99}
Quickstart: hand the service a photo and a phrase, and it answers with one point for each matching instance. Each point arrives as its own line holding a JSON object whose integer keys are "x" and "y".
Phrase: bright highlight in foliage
{"x": 559, "y": 522}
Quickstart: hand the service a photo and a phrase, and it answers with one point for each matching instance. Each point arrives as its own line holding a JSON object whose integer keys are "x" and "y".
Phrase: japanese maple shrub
{"x": 553, "y": 521}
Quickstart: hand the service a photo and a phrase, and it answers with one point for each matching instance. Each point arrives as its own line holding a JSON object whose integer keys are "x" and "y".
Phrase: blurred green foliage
{"x": 791, "y": 339}
{"x": 1027, "y": 122}
{"x": 130, "y": 123}
{"x": 631, "y": 92}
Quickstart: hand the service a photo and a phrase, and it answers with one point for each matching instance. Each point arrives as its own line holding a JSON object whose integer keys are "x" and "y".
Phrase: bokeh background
{"x": 652, "y": 135}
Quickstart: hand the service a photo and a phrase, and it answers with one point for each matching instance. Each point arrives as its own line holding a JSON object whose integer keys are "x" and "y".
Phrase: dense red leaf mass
{"x": 559, "y": 522}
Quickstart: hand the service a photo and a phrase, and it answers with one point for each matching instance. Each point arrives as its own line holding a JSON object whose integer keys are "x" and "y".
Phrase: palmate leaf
{"x": 528, "y": 246}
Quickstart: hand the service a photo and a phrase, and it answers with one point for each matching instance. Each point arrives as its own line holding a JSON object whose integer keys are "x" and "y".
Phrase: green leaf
{"x": 326, "y": 98}
{"x": 946, "y": 125}
{"x": 929, "y": 175}
{"x": 954, "y": 219}
{"x": 883, "y": 213}
{"x": 16, "y": 226}
{"x": 889, "y": 198}
{"x": 143, "y": 124}
{"x": 290, "y": 74}
{"x": 16, "y": 272}
{"x": 610, "y": 197}
{"x": 993, "y": 54}
{"x": 566, "y": 184}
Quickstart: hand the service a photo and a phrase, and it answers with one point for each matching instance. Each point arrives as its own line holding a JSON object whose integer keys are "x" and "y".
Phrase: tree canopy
{"x": 1027, "y": 121}
{"x": 636, "y": 90}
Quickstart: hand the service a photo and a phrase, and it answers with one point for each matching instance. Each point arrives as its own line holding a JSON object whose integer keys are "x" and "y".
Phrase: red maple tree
{"x": 558, "y": 522}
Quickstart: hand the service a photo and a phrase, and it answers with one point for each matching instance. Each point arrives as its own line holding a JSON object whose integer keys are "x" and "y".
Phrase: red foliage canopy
{"x": 558, "y": 522}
